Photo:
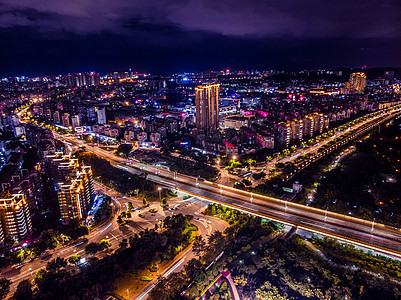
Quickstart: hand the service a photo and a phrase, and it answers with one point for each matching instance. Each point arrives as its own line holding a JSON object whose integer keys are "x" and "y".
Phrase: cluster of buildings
{"x": 266, "y": 114}
{"x": 72, "y": 116}
{"x": 223, "y": 112}
{"x": 22, "y": 195}
{"x": 83, "y": 79}
{"x": 22, "y": 191}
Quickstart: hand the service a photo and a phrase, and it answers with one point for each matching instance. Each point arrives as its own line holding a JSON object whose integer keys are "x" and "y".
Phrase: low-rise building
{"x": 264, "y": 141}
{"x": 236, "y": 122}
{"x": 231, "y": 149}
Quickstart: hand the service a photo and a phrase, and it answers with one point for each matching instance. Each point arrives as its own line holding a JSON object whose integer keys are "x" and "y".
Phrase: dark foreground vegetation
{"x": 96, "y": 277}
{"x": 264, "y": 266}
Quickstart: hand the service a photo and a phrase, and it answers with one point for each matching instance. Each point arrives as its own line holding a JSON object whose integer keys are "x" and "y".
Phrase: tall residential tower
{"x": 15, "y": 219}
{"x": 356, "y": 83}
{"x": 207, "y": 107}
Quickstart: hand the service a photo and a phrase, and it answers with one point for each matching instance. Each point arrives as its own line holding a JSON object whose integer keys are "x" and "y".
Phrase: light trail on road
{"x": 343, "y": 227}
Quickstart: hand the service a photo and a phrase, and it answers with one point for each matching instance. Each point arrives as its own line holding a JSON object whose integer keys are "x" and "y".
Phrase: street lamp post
{"x": 325, "y": 214}
{"x": 373, "y": 225}
{"x": 160, "y": 193}
{"x": 251, "y": 197}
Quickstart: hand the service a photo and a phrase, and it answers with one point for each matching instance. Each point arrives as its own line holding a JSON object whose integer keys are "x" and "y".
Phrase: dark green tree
{"x": 24, "y": 290}
{"x": 125, "y": 149}
{"x": 92, "y": 248}
{"x": 199, "y": 245}
{"x": 56, "y": 264}
{"x": 4, "y": 287}
{"x": 73, "y": 259}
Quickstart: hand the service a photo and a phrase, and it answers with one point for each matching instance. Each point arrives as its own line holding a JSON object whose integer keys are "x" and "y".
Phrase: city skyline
{"x": 186, "y": 149}
{"x": 62, "y": 38}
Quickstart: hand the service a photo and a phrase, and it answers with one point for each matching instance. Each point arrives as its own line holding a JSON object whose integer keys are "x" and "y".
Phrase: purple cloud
{"x": 244, "y": 18}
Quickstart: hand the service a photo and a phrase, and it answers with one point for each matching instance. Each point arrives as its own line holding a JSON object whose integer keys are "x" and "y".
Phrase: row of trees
{"x": 48, "y": 239}
{"x": 229, "y": 215}
{"x": 120, "y": 180}
{"x": 93, "y": 248}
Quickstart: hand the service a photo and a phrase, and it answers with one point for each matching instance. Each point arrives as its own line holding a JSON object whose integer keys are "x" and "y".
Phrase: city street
{"x": 206, "y": 225}
{"x": 364, "y": 233}
{"x": 113, "y": 232}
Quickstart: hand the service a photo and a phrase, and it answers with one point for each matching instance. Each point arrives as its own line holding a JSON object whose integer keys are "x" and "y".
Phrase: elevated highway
{"x": 366, "y": 233}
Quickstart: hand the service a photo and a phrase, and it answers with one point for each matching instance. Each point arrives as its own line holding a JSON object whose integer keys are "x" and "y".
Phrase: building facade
{"x": 356, "y": 83}
{"x": 15, "y": 217}
{"x": 207, "y": 107}
{"x": 74, "y": 184}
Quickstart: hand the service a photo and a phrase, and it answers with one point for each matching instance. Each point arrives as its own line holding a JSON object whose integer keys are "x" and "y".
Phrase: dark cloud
{"x": 310, "y": 18}
{"x": 185, "y": 34}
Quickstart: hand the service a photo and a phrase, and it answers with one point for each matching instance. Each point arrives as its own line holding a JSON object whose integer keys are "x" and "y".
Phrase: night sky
{"x": 60, "y": 36}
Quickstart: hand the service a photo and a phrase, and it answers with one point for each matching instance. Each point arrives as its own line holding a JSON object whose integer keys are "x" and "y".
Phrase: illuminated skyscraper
{"x": 74, "y": 197}
{"x": 356, "y": 83}
{"x": 101, "y": 116}
{"x": 283, "y": 134}
{"x": 318, "y": 121}
{"x": 56, "y": 117}
{"x": 66, "y": 119}
{"x": 207, "y": 107}
{"x": 297, "y": 129}
{"x": 75, "y": 121}
{"x": 74, "y": 185}
{"x": 15, "y": 217}
{"x": 309, "y": 126}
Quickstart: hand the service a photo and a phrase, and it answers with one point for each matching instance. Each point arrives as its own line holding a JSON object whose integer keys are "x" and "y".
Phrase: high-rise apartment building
{"x": 297, "y": 130}
{"x": 56, "y": 117}
{"x": 82, "y": 79}
{"x": 74, "y": 195}
{"x": 15, "y": 217}
{"x": 75, "y": 121}
{"x": 74, "y": 185}
{"x": 66, "y": 120}
{"x": 101, "y": 116}
{"x": 283, "y": 134}
{"x": 308, "y": 126}
{"x": 28, "y": 183}
{"x": 318, "y": 120}
{"x": 207, "y": 107}
{"x": 356, "y": 83}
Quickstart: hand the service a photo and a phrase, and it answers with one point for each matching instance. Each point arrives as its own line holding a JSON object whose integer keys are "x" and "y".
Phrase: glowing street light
{"x": 160, "y": 193}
